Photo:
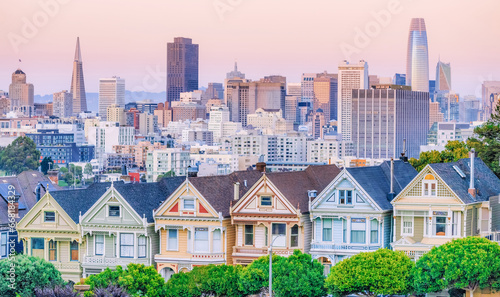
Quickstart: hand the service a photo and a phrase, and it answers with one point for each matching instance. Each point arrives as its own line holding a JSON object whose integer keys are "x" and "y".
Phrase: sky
{"x": 284, "y": 37}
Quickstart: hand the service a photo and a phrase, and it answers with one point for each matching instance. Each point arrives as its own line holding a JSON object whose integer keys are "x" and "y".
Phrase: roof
{"x": 486, "y": 182}
{"x": 296, "y": 184}
{"x": 24, "y": 184}
{"x": 142, "y": 197}
{"x": 376, "y": 180}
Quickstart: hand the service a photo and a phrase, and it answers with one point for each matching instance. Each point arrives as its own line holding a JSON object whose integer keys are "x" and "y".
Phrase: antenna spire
{"x": 78, "y": 53}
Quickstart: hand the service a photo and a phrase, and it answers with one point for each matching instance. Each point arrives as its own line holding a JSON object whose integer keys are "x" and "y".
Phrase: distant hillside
{"x": 93, "y": 98}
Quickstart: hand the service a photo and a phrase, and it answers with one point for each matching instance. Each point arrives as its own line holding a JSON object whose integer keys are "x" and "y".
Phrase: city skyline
{"x": 261, "y": 52}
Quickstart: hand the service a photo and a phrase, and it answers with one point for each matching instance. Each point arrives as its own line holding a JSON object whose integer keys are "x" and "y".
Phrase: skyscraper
{"x": 307, "y": 86}
{"x": 488, "y": 89}
{"x": 21, "y": 93}
{"x": 77, "y": 88}
{"x": 111, "y": 92}
{"x": 325, "y": 96}
{"x": 62, "y": 104}
{"x": 417, "y": 60}
{"x": 443, "y": 76}
{"x": 350, "y": 77}
{"x": 235, "y": 73}
{"x": 182, "y": 67}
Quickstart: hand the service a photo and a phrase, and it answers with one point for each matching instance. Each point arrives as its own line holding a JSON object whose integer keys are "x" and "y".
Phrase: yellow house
{"x": 194, "y": 224}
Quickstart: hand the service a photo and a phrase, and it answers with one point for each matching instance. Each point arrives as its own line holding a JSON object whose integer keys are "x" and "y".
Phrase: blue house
{"x": 353, "y": 213}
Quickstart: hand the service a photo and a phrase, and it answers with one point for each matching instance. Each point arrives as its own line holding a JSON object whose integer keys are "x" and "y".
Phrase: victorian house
{"x": 444, "y": 201}
{"x": 353, "y": 213}
{"x": 274, "y": 211}
{"x": 194, "y": 225}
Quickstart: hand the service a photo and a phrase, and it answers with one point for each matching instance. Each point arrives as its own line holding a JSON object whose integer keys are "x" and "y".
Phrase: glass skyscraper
{"x": 182, "y": 67}
{"x": 417, "y": 61}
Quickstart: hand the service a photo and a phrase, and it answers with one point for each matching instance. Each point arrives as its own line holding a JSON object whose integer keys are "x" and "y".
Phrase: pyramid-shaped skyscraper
{"x": 77, "y": 84}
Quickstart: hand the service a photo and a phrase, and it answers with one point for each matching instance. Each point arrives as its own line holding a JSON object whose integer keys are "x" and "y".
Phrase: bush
{"x": 30, "y": 273}
{"x": 111, "y": 291}
{"x": 57, "y": 291}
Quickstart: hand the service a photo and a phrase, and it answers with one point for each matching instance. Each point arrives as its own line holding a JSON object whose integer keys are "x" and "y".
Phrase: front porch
{"x": 97, "y": 264}
{"x": 244, "y": 255}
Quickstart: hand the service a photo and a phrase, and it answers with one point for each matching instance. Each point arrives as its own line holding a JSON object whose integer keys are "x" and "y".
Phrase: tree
{"x": 466, "y": 263}
{"x": 383, "y": 272}
{"x": 29, "y": 273}
{"x": 88, "y": 169}
{"x": 46, "y": 164}
{"x": 454, "y": 151}
{"x": 19, "y": 156}
{"x": 168, "y": 174}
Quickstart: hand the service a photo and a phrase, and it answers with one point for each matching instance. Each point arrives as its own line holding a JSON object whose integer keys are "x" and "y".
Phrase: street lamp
{"x": 271, "y": 266}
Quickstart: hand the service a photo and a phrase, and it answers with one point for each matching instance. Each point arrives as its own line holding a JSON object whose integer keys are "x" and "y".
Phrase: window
{"x": 172, "y": 240}
{"x": 3, "y": 244}
{"x": 50, "y": 216}
{"x": 454, "y": 224}
{"x": 126, "y": 245}
{"x": 74, "y": 250}
{"x": 344, "y": 231}
{"x": 266, "y": 201}
{"x": 358, "y": 230}
{"x": 266, "y": 235}
{"x": 485, "y": 220}
{"x": 201, "y": 240}
{"x": 327, "y": 229}
{"x": 440, "y": 226}
{"x": 188, "y": 204}
{"x": 429, "y": 186}
{"x": 407, "y": 223}
{"x": 373, "y": 231}
{"x": 294, "y": 236}
{"x": 114, "y": 211}
{"x": 279, "y": 232}
{"x": 248, "y": 234}
{"x": 216, "y": 241}
{"x": 37, "y": 247}
{"x": 345, "y": 196}
{"x": 142, "y": 246}
{"x": 99, "y": 245}
{"x": 52, "y": 250}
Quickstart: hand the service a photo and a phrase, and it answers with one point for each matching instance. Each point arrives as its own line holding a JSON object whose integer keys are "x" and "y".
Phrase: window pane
{"x": 99, "y": 244}
{"x": 265, "y": 201}
{"x": 216, "y": 241}
{"x": 50, "y": 216}
{"x": 201, "y": 240}
{"x": 3, "y": 245}
{"x": 248, "y": 234}
{"x": 441, "y": 226}
{"x": 172, "y": 240}
{"x": 74, "y": 251}
{"x": 342, "y": 197}
{"x": 374, "y": 231}
{"x": 52, "y": 250}
{"x": 349, "y": 197}
{"x": 294, "y": 237}
{"x": 142, "y": 247}
{"x": 188, "y": 204}
{"x": 279, "y": 229}
{"x": 126, "y": 245}
{"x": 114, "y": 211}
{"x": 327, "y": 229}
{"x": 358, "y": 236}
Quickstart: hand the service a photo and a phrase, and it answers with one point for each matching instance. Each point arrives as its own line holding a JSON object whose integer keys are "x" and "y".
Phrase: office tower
{"x": 443, "y": 76}
{"x": 470, "y": 109}
{"x": 317, "y": 120}
{"x": 488, "y": 101}
{"x": 350, "y": 77}
{"x": 62, "y": 104}
{"x": 417, "y": 59}
{"x": 373, "y": 80}
{"x": 399, "y": 79}
{"x": 307, "y": 86}
{"x": 148, "y": 123}
{"x": 111, "y": 91}
{"x": 325, "y": 96}
{"x": 164, "y": 114}
{"x": 383, "y": 117}
{"x": 271, "y": 92}
{"x": 433, "y": 90}
{"x": 214, "y": 91}
{"x": 115, "y": 113}
{"x": 235, "y": 73}
{"x": 435, "y": 114}
{"x": 291, "y": 104}
{"x": 182, "y": 67}
{"x": 302, "y": 111}
{"x": 77, "y": 88}
{"x": 294, "y": 89}
{"x": 21, "y": 93}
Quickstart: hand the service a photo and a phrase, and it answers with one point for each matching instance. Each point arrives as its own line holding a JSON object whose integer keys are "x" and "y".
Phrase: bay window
{"x": 374, "y": 231}
{"x": 126, "y": 245}
{"x": 216, "y": 241}
{"x": 327, "y": 229}
{"x": 440, "y": 226}
{"x": 279, "y": 232}
{"x": 358, "y": 230}
{"x": 201, "y": 240}
{"x": 99, "y": 245}
{"x": 294, "y": 236}
{"x": 407, "y": 224}
{"x": 142, "y": 246}
{"x": 172, "y": 240}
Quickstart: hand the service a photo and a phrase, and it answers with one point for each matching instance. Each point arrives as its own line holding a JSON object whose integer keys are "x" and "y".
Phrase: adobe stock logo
{"x": 39, "y": 19}
{"x": 363, "y": 36}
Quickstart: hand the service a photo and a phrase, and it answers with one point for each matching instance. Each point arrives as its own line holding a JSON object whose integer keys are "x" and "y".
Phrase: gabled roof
{"x": 219, "y": 190}
{"x": 142, "y": 197}
{"x": 376, "y": 180}
{"x": 24, "y": 184}
{"x": 486, "y": 182}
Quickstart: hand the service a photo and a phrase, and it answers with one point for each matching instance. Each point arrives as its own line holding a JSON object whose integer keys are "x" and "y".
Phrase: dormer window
{"x": 429, "y": 186}
{"x": 188, "y": 204}
{"x": 49, "y": 217}
{"x": 345, "y": 197}
{"x": 114, "y": 211}
{"x": 266, "y": 201}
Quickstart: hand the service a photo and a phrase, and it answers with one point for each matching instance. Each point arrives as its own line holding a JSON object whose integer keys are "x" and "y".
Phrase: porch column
{"x": 136, "y": 245}
{"x": 367, "y": 230}
{"x": 118, "y": 244}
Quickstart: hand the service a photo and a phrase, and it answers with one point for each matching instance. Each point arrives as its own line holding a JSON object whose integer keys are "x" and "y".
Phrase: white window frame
{"x": 133, "y": 244}
{"x": 217, "y": 243}
{"x": 142, "y": 244}
{"x": 345, "y": 196}
{"x": 403, "y": 233}
{"x": 4, "y": 238}
{"x": 119, "y": 211}
{"x": 197, "y": 240}
{"x": 323, "y": 230}
{"x": 184, "y": 203}
{"x": 429, "y": 183}
{"x": 169, "y": 248}
{"x": 95, "y": 245}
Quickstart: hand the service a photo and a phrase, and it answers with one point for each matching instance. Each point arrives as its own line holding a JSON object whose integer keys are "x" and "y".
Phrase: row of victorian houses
{"x": 330, "y": 213}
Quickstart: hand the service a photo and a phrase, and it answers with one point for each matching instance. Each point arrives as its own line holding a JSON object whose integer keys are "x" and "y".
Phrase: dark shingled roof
{"x": 142, "y": 197}
{"x": 219, "y": 190}
{"x": 294, "y": 185}
{"x": 486, "y": 182}
{"x": 376, "y": 180}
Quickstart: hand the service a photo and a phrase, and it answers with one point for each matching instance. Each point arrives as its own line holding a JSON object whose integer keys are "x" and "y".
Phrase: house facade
{"x": 275, "y": 212}
{"x": 444, "y": 201}
{"x": 353, "y": 213}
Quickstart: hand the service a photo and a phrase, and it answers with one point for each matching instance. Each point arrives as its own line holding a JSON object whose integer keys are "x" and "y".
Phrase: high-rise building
{"x": 317, "y": 120}
{"x": 21, "y": 93}
{"x": 325, "y": 96}
{"x": 294, "y": 89}
{"x": 488, "y": 89}
{"x": 111, "y": 91}
{"x": 435, "y": 114}
{"x": 77, "y": 88}
{"x": 164, "y": 114}
{"x": 62, "y": 104}
{"x": 148, "y": 123}
{"x": 470, "y": 109}
{"x": 115, "y": 113}
{"x": 291, "y": 105}
{"x": 307, "y": 86}
{"x": 182, "y": 67}
{"x": 350, "y": 77}
{"x": 382, "y": 118}
{"x": 417, "y": 59}
{"x": 443, "y": 76}
{"x": 235, "y": 73}
{"x": 399, "y": 79}
{"x": 214, "y": 91}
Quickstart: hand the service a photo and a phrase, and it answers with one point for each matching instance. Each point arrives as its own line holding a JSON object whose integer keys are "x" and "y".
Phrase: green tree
{"x": 88, "y": 169}
{"x": 29, "y": 273}
{"x": 19, "y": 156}
{"x": 454, "y": 151}
{"x": 383, "y": 272}
{"x": 168, "y": 174}
{"x": 46, "y": 164}
{"x": 466, "y": 263}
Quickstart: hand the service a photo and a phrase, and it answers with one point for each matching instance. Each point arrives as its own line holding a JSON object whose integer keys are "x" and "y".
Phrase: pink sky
{"x": 128, "y": 38}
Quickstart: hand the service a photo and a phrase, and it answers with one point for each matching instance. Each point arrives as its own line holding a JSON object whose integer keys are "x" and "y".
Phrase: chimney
{"x": 261, "y": 166}
{"x": 236, "y": 190}
{"x": 472, "y": 189}
{"x": 37, "y": 192}
{"x": 403, "y": 157}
